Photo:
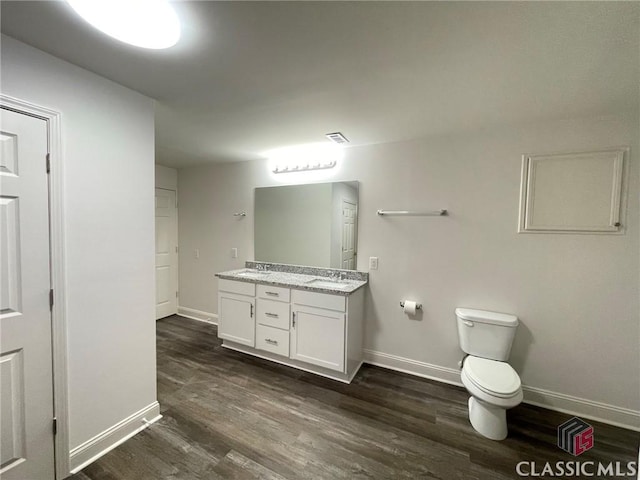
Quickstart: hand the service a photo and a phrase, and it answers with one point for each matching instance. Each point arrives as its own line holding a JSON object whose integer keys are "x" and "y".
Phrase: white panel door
{"x": 26, "y": 377}
{"x": 166, "y": 253}
{"x": 317, "y": 337}
{"x": 348, "y": 235}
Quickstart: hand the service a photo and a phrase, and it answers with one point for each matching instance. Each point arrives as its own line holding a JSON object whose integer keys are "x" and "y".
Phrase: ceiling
{"x": 248, "y": 77}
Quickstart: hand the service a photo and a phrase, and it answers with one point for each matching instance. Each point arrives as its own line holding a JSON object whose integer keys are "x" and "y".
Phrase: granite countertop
{"x": 300, "y": 281}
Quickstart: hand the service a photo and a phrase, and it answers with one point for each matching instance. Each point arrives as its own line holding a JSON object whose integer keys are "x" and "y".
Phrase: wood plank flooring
{"x": 227, "y": 415}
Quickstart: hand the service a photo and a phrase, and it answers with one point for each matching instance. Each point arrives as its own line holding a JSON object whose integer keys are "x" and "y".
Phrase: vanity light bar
{"x": 304, "y": 168}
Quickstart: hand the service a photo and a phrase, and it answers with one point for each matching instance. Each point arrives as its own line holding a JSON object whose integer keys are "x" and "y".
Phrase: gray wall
{"x": 108, "y": 142}
{"x": 576, "y": 295}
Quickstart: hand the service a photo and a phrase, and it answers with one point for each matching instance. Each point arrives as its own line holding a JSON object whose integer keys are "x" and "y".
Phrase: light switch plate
{"x": 373, "y": 263}
{"x": 234, "y": 253}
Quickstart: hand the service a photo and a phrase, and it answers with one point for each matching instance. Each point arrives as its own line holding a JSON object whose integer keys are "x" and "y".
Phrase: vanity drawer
{"x": 272, "y": 340}
{"x": 272, "y": 313}
{"x": 241, "y": 288}
{"x": 320, "y": 300}
{"x": 274, "y": 293}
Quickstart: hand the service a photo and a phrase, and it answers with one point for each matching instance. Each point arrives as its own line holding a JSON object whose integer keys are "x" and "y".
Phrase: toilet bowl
{"x": 494, "y": 387}
{"x": 493, "y": 384}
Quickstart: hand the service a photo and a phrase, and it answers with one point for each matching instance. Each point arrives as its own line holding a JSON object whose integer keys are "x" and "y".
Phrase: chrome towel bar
{"x": 409, "y": 213}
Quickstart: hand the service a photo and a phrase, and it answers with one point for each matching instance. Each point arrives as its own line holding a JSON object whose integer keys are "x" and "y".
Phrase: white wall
{"x": 576, "y": 295}
{"x": 108, "y": 142}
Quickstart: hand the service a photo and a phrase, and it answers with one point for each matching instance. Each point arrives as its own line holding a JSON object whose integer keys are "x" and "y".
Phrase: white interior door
{"x": 166, "y": 253}
{"x": 348, "y": 235}
{"x": 26, "y": 376}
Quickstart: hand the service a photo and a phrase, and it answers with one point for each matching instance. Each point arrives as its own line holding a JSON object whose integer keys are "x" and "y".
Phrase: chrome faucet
{"x": 337, "y": 275}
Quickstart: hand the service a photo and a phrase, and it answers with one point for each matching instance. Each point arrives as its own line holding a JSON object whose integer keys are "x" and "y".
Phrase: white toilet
{"x": 493, "y": 384}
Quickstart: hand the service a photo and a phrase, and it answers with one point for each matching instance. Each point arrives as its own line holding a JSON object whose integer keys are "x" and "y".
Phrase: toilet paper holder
{"x": 418, "y": 305}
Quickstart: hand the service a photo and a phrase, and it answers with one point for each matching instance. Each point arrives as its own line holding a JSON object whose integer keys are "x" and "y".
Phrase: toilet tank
{"x": 486, "y": 334}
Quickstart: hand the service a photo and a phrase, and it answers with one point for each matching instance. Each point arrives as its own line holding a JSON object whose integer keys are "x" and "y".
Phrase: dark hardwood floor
{"x": 228, "y": 415}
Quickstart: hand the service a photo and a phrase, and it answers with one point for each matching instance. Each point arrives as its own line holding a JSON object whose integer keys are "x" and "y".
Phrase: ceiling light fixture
{"x": 304, "y": 158}
{"x": 144, "y": 23}
{"x": 304, "y": 168}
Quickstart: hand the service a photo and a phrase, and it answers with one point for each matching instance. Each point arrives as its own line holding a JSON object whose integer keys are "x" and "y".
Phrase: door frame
{"x": 56, "y": 246}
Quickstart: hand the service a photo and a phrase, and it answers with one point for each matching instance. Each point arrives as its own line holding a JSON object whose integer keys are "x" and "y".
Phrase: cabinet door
{"x": 317, "y": 337}
{"x": 235, "y": 318}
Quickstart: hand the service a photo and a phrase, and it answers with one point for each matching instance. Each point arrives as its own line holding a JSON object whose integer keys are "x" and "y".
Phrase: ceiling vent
{"x": 337, "y": 137}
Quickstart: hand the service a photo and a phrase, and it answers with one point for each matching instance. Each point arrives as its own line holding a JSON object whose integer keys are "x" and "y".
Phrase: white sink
{"x": 253, "y": 274}
{"x": 327, "y": 283}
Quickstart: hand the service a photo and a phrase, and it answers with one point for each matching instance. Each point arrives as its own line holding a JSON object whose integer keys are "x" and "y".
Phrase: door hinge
{"x": 176, "y": 294}
{"x": 55, "y": 426}
{"x": 51, "y": 299}
{"x": 176, "y": 249}
{"x": 48, "y": 163}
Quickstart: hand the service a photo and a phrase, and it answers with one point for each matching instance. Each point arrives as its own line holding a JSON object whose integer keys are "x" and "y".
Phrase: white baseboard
{"x": 602, "y": 412}
{"x": 413, "y": 367}
{"x": 199, "y": 315}
{"x": 104, "y": 442}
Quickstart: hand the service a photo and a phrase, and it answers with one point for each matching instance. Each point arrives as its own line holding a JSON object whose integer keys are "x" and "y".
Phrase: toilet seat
{"x": 492, "y": 377}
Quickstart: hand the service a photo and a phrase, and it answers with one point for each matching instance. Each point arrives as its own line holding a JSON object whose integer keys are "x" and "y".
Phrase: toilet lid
{"x": 493, "y": 377}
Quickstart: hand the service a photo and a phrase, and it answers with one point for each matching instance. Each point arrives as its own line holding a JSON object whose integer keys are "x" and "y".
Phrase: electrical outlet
{"x": 234, "y": 253}
{"x": 373, "y": 263}
{"x": 196, "y": 253}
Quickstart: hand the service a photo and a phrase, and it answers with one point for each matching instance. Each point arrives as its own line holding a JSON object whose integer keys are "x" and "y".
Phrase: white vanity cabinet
{"x": 313, "y": 331}
{"x": 236, "y": 307}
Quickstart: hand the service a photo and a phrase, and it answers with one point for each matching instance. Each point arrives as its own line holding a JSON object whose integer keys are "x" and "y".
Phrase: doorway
{"x": 349, "y": 229}
{"x": 166, "y": 253}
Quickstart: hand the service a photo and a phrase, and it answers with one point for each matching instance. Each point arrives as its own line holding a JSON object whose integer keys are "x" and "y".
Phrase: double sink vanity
{"x": 305, "y": 317}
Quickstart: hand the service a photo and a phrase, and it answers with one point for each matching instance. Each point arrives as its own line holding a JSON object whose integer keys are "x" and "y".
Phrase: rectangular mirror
{"x": 313, "y": 225}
